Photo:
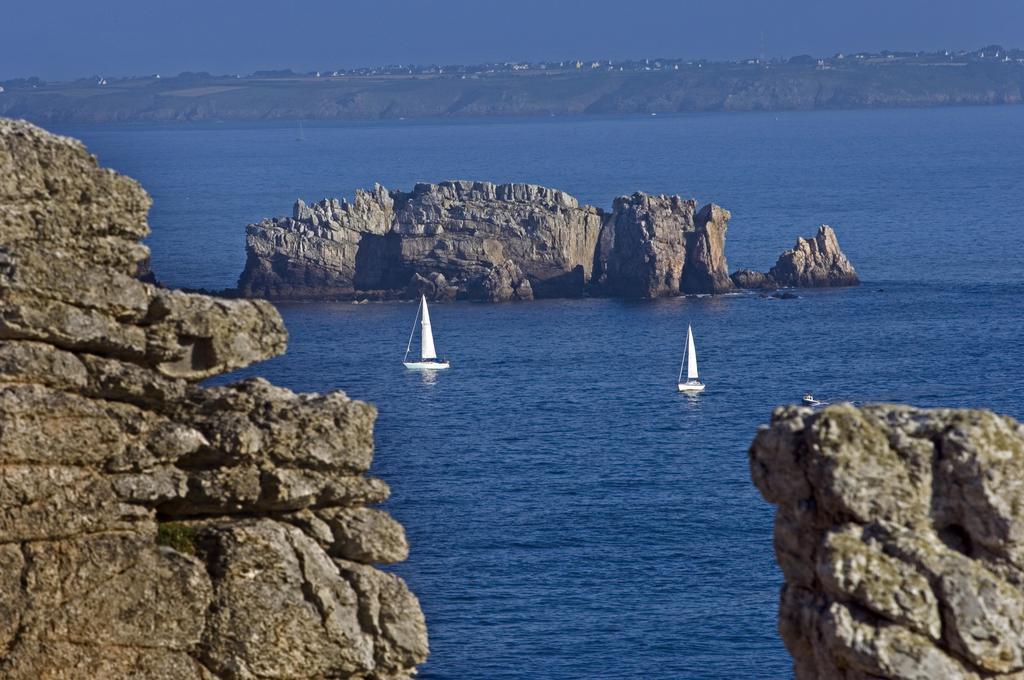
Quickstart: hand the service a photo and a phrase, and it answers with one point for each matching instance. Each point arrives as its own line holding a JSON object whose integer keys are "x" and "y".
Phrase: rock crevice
{"x": 150, "y": 527}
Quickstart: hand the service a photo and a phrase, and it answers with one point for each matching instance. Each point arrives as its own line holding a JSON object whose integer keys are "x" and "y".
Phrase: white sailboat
{"x": 693, "y": 383}
{"x": 428, "y": 355}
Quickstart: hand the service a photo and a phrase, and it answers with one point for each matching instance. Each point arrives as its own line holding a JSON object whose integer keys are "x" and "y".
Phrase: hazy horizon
{"x": 125, "y": 39}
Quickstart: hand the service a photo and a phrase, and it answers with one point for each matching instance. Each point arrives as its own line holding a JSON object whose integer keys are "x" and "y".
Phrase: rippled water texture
{"x": 570, "y": 514}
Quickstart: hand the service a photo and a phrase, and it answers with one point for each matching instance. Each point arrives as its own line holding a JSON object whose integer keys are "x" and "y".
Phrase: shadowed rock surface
{"x": 706, "y": 270}
{"x": 753, "y": 280}
{"x": 655, "y": 246}
{"x": 481, "y": 241}
{"x": 642, "y": 249}
{"x": 150, "y": 527}
{"x": 900, "y": 532}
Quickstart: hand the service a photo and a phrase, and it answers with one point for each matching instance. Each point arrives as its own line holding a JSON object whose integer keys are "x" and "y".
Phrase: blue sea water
{"x": 570, "y": 514}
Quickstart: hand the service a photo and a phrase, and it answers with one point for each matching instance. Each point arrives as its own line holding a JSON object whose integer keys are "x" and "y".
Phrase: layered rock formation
{"x": 706, "y": 270}
{"x": 150, "y": 527}
{"x": 816, "y": 262}
{"x": 642, "y": 250}
{"x": 476, "y": 240}
{"x": 900, "y": 533}
{"x": 657, "y": 246}
{"x": 492, "y": 242}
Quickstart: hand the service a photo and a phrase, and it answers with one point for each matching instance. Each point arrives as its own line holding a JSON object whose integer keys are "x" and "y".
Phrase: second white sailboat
{"x": 428, "y": 355}
{"x": 693, "y": 383}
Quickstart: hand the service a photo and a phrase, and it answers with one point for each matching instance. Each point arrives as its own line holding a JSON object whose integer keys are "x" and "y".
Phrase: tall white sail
{"x": 691, "y": 355}
{"x": 427, "y": 350}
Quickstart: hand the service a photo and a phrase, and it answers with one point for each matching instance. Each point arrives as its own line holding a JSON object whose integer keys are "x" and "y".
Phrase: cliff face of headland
{"x": 601, "y": 89}
{"x": 900, "y": 533}
{"x": 481, "y": 241}
{"x": 150, "y": 527}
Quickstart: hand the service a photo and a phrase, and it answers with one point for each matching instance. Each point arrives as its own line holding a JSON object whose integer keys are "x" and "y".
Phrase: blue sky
{"x": 60, "y": 39}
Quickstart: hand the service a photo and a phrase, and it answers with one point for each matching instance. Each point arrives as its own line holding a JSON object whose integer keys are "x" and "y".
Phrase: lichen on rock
{"x": 900, "y": 533}
{"x": 151, "y": 527}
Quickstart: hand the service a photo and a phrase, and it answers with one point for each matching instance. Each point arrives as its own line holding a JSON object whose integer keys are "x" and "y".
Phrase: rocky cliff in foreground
{"x": 481, "y": 241}
{"x": 150, "y": 527}
{"x": 900, "y": 533}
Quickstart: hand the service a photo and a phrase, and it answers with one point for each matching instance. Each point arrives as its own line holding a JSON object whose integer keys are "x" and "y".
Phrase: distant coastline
{"x": 988, "y": 76}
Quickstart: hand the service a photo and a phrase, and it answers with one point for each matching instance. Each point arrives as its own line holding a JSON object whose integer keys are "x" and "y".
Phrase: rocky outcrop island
{"x": 500, "y": 242}
{"x": 151, "y": 527}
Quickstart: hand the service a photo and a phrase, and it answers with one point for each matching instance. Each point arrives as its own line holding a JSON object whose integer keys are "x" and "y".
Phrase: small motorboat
{"x": 428, "y": 360}
{"x": 809, "y": 400}
{"x": 693, "y": 383}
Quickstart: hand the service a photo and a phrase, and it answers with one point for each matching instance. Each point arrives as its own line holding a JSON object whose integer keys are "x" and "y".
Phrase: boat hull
{"x": 691, "y": 387}
{"x": 426, "y": 365}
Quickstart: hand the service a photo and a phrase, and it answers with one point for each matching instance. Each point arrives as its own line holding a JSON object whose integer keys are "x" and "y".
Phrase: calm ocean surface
{"x": 570, "y": 514}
